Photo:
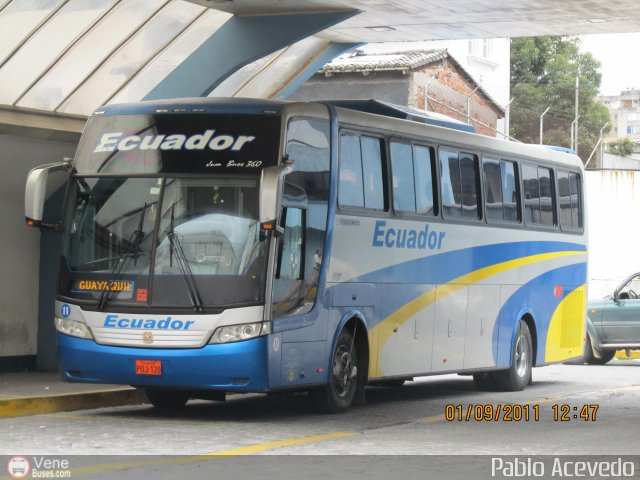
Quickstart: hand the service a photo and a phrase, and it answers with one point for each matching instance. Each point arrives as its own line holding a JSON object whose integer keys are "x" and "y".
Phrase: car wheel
{"x": 587, "y": 352}
{"x": 606, "y": 356}
{"x": 338, "y": 394}
{"x": 167, "y": 399}
{"x": 519, "y": 373}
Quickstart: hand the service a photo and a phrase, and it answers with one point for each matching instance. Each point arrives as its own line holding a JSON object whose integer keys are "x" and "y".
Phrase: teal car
{"x": 614, "y": 323}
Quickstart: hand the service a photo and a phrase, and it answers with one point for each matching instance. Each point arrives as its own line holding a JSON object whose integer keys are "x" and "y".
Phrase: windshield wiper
{"x": 183, "y": 264}
{"x": 121, "y": 260}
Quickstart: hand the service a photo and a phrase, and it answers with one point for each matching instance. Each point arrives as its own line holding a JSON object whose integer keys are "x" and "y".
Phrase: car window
{"x": 631, "y": 289}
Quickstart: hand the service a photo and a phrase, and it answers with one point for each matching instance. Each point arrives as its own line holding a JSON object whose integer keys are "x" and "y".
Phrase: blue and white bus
{"x": 217, "y": 246}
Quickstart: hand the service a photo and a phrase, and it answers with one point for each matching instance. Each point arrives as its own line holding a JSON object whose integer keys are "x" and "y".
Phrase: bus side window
{"x": 539, "y": 202}
{"x": 450, "y": 184}
{"x": 350, "y": 185}
{"x": 288, "y": 285}
{"x": 361, "y": 178}
{"x": 459, "y": 180}
{"x": 423, "y": 167}
{"x": 290, "y": 264}
{"x": 500, "y": 190}
{"x": 569, "y": 197}
{"x": 531, "y": 194}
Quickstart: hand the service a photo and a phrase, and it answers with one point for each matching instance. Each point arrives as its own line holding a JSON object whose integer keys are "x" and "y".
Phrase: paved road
{"x": 405, "y": 420}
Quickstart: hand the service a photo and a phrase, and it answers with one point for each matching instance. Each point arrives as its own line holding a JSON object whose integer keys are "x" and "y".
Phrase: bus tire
{"x": 167, "y": 399}
{"x": 519, "y": 373}
{"x": 485, "y": 381}
{"x": 337, "y": 396}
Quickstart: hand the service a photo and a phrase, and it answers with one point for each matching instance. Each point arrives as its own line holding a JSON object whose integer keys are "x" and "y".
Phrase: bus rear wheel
{"x": 167, "y": 399}
{"x": 338, "y": 394}
{"x": 519, "y": 373}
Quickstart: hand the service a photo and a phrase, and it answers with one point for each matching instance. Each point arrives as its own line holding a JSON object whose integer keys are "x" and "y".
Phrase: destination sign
{"x": 103, "y": 285}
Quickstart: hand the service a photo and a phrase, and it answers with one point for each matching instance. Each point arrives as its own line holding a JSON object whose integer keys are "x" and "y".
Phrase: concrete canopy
{"x": 63, "y": 58}
{"x": 396, "y": 20}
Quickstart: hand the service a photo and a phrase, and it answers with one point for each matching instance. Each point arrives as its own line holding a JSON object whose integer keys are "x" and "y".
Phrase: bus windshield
{"x": 163, "y": 211}
{"x": 124, "y": 243}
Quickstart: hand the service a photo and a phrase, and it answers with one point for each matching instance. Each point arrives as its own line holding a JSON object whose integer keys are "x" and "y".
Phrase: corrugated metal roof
{"x": 373, "y": 58}
{"x": 362, "y": 61}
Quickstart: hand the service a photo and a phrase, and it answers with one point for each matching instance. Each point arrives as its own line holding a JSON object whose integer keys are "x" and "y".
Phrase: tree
{"x": 543, "y": 74}
{"x": 623, "y": 147}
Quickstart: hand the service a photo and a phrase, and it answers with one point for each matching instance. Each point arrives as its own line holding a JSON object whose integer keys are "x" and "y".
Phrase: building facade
{"x": 625, "y": 114}
{"x": 426, "y": 79}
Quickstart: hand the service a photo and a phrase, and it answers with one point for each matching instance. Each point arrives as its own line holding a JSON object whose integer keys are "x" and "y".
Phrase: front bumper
{"x": 239, "y": 366}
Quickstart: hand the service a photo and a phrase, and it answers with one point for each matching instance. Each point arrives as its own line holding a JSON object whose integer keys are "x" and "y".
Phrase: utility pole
{"x": 469, "y": 104}
{"x": 575, "y": 131}
{"x": 542, "y": 122}
{"x": 507, "y": 113}
{"x": 426, "y": 92}
{"x": 602, "y": 144}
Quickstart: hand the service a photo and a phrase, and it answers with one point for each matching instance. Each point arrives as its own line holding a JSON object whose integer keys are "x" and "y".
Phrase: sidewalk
{"x": 34, "y": 393}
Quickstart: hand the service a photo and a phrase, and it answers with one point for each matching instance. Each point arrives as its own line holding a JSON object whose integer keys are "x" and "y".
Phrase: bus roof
{"x": 195, "y": 105}
{"x": 399, "y": 111}
{"x": 366, "y": 113}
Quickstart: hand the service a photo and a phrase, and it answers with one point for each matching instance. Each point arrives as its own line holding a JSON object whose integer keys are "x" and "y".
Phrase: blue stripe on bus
{"x": 443, "y": 267}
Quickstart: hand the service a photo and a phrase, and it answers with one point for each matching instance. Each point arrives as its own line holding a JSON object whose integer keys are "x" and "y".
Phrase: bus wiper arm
{"x": 183, "y": 264}
{"x": 134, "y": 241}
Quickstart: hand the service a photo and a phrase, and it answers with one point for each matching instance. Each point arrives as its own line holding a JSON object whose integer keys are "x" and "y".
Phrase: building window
{"x": 486, "y": 48}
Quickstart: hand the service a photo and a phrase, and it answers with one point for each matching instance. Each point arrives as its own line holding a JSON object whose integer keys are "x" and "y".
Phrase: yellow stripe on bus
{"x": 566, "y": 330}
{"x": 379, "y": 335}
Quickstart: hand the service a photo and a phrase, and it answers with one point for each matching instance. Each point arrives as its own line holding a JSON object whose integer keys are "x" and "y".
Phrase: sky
{"x": 620, "y": 66}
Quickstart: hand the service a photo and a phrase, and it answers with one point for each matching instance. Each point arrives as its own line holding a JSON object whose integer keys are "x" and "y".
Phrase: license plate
{"x": 148, "y": 367}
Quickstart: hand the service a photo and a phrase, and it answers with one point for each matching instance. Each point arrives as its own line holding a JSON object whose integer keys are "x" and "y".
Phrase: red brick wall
{"x": 448, "y": 95}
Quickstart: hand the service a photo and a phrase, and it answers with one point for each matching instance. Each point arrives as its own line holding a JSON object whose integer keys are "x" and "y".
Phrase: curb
{"x": 22, "y": 407}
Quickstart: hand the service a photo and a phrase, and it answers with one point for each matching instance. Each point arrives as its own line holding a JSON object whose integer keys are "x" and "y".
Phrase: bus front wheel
{"x": 167, "y": 399}
{"x": 338, "y": 394}
{"x": 519, "y": 373}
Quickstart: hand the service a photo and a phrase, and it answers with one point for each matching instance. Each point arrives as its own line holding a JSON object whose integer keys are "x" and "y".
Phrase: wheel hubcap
{"x": 344, "y": 371}
{"x": 522, "y": 356}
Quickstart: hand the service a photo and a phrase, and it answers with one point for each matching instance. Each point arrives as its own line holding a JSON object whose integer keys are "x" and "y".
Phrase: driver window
{"x": 291, "y": 256}
{"x": 288, "y": 286}
{"x": 631, "y": 290}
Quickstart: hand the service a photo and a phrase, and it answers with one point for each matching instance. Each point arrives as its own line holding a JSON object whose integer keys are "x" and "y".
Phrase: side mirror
{"x": 36, "y": 191}
{"x": 271, "y": 185}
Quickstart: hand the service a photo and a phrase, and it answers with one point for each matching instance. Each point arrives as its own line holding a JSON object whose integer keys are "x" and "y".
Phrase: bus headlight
{"x": 237, "y": 333}
{"x": 73, "y": 328}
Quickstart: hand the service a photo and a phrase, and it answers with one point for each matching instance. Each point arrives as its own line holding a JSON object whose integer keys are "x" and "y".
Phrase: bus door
{"x": 296, "y": 308}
